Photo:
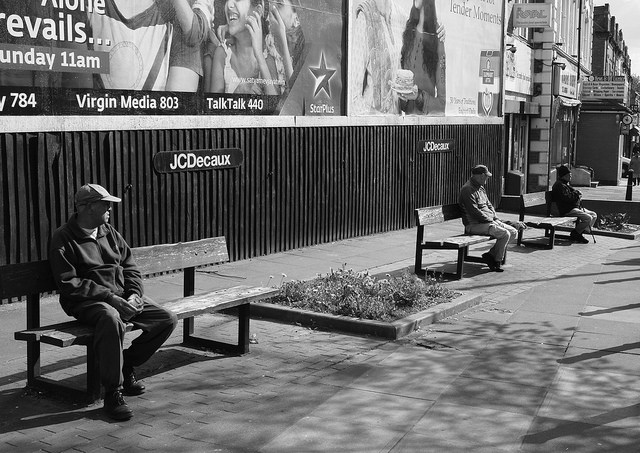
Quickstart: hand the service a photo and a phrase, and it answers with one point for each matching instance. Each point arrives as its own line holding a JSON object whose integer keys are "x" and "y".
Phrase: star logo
{"x": 323, "y": 76}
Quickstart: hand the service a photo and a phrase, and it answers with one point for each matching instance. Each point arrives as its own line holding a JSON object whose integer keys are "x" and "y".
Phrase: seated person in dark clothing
{"x": 568, "y": 200}
{"x": 100, "y": 285}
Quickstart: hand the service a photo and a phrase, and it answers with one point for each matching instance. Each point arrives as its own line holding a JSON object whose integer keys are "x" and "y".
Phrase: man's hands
{"x": 128, "y": 308}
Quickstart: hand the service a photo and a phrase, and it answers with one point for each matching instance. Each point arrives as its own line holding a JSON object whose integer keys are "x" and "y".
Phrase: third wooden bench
{"x": 548, "y": 223}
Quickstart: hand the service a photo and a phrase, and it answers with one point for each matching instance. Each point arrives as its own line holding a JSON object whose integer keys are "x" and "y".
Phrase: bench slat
{"x": 63, "y": 334}
{"x": 218, "y": 300}
{"x": 458, "y": 241}
{"x": 547, "y": 221}
{"x": 171, "y": 257}
{"x": 437, "y": 214}
{"x": 533, "y": 199}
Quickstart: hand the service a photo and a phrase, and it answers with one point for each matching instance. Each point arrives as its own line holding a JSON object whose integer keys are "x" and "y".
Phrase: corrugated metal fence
{"x": 296, "y": 187}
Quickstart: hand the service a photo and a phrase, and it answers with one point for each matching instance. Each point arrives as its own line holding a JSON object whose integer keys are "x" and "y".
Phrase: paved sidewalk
{"x": 548, "y": 362}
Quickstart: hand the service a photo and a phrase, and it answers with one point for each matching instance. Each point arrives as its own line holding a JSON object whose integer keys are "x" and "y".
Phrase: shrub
{"x": 612, "y": 222}
{"x": 357, "y": 294}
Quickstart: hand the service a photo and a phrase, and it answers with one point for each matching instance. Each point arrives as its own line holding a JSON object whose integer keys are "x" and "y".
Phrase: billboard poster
{"x": 425, "y": 57}
{"x": 171, "y": 57}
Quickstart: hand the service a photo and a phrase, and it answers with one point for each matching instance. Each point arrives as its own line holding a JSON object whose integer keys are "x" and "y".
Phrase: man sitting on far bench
{"x": 568, "y": 200}
{"x": 479, "y": 217}
{"x": 101, "y": 286}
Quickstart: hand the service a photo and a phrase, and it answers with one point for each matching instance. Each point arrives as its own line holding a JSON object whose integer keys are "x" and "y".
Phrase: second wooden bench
{"x": 435, "y": 215}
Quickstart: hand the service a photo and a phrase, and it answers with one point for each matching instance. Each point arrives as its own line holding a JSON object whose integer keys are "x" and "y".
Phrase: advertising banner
{"x": 597, "y": 88}
{"x": 425, "y": 57}
{"x": 171, "y": 57}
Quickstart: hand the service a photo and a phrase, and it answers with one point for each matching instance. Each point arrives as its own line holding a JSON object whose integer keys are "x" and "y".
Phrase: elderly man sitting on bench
{"x": 100, "y": 285}
{"x": 479, "y": 217}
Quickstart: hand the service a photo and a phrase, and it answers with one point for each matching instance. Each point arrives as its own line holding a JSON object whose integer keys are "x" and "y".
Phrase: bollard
{"x": 629, "y": 185}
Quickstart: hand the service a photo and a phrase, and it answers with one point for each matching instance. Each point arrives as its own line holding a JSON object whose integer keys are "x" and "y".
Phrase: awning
{"x": 568, "y": 102}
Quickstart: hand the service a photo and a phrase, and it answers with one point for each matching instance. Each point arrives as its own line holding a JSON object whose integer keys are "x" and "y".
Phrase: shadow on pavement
{"x": 610, "y": 310}
{"x": 599, "y": 353}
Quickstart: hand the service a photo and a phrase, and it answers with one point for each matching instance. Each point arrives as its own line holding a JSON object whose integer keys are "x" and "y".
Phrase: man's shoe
{"x": 578, "y": 237}
{"x": 498, "y": 267}
{"x": 491, "y": 262}
{"x": 131, "y": 386}
{"x": 582, "y": 240}
{"x": 115, "y": 406}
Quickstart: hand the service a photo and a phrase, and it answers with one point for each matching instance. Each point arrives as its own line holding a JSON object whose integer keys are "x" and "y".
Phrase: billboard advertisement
{"x": 425, "y": 57}
{"x": 171, "y": 57}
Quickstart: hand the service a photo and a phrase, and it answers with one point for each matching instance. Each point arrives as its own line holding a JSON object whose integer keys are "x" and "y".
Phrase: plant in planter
{"x": 360, "y": 295}
{"x": 615, "y": 222}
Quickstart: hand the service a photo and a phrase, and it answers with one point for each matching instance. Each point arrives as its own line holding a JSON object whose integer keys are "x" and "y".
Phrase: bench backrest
{"x": 17, "y": 280}
{"x": 436, "y": 214}
{"x": 155, "y": 259}
{"x": 529, "y": 200}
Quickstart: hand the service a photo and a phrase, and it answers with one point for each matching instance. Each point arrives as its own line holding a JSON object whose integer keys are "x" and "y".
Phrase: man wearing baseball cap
{"x": 100, "y": 285}
{"x": 479, "y": 217}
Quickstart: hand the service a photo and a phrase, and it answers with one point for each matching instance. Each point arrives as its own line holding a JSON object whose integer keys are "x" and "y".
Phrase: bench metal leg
{"x": 35, "y": 380}
{"x": 462, "y": 255}
{"x": 417, "y": 268}
{"x": 549, "y": 234}
{"x": 244, "y": 316}
{"x": 33, "y": 361}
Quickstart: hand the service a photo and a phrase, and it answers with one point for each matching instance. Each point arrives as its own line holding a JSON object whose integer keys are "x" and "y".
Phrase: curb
{"x": 389, "y": 330}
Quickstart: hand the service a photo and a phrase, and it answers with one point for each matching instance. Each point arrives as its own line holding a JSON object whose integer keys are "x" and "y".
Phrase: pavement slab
{"x": 458, "y": 427}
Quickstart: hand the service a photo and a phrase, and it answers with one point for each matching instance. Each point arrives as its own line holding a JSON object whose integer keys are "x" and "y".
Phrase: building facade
{"x": 547, "y": 52}
{"x": 607, "y": 128}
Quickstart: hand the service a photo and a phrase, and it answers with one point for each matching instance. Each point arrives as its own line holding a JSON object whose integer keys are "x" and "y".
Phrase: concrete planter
{"x": 390, "y": 330}
{"x": 616, "y": 234}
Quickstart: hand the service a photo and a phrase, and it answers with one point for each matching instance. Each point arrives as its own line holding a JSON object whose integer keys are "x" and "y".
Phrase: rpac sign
{"x": 197, "y": 160}
{"x": 532, "y": 15}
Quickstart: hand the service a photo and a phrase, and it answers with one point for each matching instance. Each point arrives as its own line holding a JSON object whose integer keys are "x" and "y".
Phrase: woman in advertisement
{"x": 192, "y": 24}
{"x": 423, "y": 54}
{"x": 375, "y": 57}
{"x": 287, "y": 34}
{"x": 242, "y": 64}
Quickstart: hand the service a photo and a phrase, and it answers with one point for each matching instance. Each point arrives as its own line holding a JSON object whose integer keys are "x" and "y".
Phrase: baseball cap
{"x": 94, "y": 192}
{"x": 480, "y": 170}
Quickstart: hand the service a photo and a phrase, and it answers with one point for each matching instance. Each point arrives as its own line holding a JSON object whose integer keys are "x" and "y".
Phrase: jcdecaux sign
{"x": 197, "y": 160}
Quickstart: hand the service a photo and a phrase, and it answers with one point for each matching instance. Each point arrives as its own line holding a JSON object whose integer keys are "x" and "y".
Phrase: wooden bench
{"x": 33, "y": 279}
{"x": 436, "y": 215}
{"x": 548, "y": 223}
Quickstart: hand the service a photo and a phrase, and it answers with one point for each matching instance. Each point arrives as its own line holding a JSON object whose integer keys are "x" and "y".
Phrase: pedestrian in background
{"x": 634, "y": 165}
